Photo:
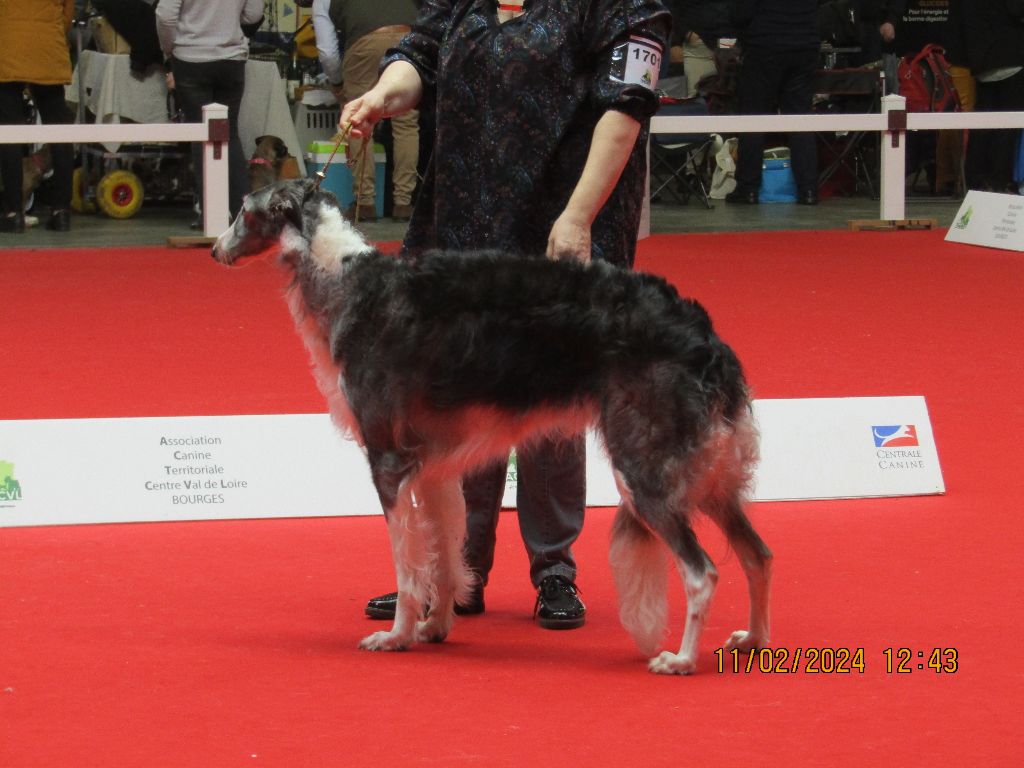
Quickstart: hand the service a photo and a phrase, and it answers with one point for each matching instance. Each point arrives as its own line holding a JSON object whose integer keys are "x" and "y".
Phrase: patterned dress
{"x": 517, "y": 103}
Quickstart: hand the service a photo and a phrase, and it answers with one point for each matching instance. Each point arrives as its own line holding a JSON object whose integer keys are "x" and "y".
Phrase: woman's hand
{"x": 397, "y": 91}
{"x": 569, "y": 239}
{"x": 362, "y": 114}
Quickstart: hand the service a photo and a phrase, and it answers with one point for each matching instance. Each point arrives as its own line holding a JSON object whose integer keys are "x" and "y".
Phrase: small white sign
{"x": 989, "y": 219}
{"x": 67, "y": 471}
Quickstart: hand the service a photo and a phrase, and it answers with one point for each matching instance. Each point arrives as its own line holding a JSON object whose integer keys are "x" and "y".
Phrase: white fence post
{"x": 216, "y": 216}
{"x": 894, "y": 159}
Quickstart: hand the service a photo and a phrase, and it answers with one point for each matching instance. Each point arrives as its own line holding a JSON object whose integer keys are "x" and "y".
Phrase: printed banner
{"x": 68, "y": 471}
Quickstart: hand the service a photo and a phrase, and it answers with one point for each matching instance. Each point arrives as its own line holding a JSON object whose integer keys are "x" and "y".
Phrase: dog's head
{"x": 297, "y": 218}
{"x": 267, "y": 162}
{"x": 267, "y": 215}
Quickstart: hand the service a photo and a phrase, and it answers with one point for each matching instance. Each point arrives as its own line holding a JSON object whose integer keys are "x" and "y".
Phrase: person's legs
{"x": 552, "y": 500}
{"x": 405, "y": 132}
{"x": 757, "y": 91}
{"x": 551, "y": 497}
{"x": 795, "y": 98}
{"x": 360, "y": 71}
{"x": 49, "y": 100}
{"x": 12, "y": 112}
{"x": 228, "y": 88}
{"x": 193, "y": 87}
{"x": 483, "y": 491}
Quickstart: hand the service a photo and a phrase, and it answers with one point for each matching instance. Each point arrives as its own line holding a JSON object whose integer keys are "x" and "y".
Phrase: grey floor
{"x": 152, "y": 225}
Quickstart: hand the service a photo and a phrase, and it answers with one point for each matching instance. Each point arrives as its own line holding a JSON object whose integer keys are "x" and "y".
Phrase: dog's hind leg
{"x": 699, "y": 580}
{"x": 445, "y": 507}
{"x": 756, "y": 559}
{"x": 639, "y": 569}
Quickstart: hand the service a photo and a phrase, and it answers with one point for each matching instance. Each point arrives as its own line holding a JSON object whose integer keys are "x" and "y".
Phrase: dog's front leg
{"x": 408, "y": 549}
{"x": 444, "y": 505}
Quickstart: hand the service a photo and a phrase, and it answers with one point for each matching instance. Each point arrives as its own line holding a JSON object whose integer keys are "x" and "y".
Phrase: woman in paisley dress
{"x": 542, "y": 110}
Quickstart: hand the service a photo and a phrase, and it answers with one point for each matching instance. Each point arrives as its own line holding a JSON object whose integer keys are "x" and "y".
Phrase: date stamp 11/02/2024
{"x": 837, "y": 661}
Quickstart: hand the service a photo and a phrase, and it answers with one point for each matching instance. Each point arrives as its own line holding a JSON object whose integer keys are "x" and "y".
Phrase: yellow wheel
{"x": 78, "y": 201}
{"x": 119, "y": 194}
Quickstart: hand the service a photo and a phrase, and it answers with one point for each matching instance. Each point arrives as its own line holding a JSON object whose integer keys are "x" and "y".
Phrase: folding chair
{"x": 680, "y": 161}
{"x": 856, "y": 152}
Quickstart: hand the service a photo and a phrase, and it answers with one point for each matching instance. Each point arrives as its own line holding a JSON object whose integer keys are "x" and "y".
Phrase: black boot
{"x": 13, "y": 223}
{"x": 60, "y": 220}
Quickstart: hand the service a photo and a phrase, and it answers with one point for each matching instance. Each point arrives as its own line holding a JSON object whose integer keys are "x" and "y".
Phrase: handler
{"x": 542, "y": 122}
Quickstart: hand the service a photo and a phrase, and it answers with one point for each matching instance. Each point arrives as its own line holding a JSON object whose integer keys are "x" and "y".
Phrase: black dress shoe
{"x": 60, "y": 220}
{"x": 558, "y": 606}
{"x": 13, "y": 223}
{"x": 810, "y": 197}
{"x": 743, "y": 197}
{"x": 383, "y": 607}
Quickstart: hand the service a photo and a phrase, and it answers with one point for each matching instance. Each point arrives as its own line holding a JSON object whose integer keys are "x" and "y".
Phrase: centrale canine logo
{"x": 10, "y": 488}
{"x": 895, "y": 436}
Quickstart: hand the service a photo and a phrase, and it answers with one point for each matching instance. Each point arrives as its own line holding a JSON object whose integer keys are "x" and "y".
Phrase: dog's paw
{"x": 667, "y": 663}
{"x": 384, "y": 641}
{"x": 432, "y": 630}
{"x": 743, "y": 640}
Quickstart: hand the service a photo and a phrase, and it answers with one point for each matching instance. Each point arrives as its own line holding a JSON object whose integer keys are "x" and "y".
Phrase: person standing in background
{"x": 207, "y": 50}
{"x": 364, "y": 30}
{"x": 697, "y": 26}
{"x": 780, "y": 47}
{"x": 34, "y": 54}
{"x": 994, "y": 33}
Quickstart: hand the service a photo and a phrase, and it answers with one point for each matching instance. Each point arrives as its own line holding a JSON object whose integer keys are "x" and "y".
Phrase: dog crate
{"x": 313, "y": 124}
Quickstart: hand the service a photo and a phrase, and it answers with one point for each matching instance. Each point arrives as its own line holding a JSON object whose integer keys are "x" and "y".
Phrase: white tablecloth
{"x": 113, "y": 94}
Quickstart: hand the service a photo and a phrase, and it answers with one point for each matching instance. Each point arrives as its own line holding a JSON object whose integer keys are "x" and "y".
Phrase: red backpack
{"x": 925, "y": 82}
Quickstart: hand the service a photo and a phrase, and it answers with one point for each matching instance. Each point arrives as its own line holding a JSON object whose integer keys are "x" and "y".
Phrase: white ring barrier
{"x": 213, "y": 132}
{"x": 893, "y": 121}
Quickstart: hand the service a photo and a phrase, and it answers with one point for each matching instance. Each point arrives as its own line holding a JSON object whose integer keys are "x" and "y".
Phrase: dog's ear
{"x": 280, "y": 148}
{"x": 260, "y": 140}
{"x": 286, "y": 202}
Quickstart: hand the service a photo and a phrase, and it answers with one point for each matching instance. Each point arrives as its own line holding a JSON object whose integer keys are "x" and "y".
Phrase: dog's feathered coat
{"x": 441, "y": 362}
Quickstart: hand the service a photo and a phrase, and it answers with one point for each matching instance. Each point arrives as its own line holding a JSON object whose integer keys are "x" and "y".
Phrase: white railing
{"x": 893, "y": 122}
{"x": 213, "y": 132}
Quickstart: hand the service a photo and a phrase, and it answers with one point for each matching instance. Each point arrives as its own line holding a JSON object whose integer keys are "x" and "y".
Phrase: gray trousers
{"x": 550, "y": 498}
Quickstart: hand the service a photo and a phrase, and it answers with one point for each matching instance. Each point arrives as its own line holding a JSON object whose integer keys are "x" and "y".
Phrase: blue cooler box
{"x": 339, "y": 176}
{"x": 777, "y": 182}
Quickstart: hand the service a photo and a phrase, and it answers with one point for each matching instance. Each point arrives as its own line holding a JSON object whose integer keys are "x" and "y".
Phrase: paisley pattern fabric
{"x": 517, "y": 102}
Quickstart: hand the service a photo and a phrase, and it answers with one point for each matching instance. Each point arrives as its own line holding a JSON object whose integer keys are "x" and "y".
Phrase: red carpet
{"x": 233, "y": 643}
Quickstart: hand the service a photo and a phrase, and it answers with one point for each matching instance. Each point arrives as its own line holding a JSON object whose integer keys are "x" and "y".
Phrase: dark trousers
{"x": 771, "y": 82}
{"x": 992, "y": 153}
{"x": 551, "y": 500}
{"x": 49, "y": 101}
{"x": 199, "y": 83}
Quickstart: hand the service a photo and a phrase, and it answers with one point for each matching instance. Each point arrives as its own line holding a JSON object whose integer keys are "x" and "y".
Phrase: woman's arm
{"x": 614, "y": 137}
{"x": 398, "y": 90}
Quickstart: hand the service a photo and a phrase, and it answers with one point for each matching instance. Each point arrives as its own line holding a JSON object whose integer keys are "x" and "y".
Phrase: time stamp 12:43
{"x": 837, "y": 661}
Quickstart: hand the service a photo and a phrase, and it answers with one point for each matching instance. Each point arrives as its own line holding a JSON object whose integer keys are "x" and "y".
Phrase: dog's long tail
{"x": 640, "y": 571}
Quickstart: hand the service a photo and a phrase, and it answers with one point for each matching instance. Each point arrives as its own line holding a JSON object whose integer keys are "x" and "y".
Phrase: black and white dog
{"x": 439, "y": 363}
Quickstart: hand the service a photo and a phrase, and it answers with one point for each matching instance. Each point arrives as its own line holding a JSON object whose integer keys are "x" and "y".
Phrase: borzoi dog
{"x": 442, "y": 362}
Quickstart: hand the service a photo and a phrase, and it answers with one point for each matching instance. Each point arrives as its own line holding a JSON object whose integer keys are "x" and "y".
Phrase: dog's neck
{"x": 317, "y": 256}
{"x": 333, "y": 238}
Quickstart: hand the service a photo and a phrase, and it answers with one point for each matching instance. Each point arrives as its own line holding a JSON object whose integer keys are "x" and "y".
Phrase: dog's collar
{"x": 260, "y": 161}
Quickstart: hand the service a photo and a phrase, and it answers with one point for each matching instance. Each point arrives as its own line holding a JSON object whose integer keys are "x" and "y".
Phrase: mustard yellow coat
{"x": 33, "y": 41}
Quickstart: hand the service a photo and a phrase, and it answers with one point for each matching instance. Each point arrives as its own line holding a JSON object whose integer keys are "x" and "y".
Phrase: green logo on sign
{"x": 10, "y": 489}
{"x": 965, "y": 219}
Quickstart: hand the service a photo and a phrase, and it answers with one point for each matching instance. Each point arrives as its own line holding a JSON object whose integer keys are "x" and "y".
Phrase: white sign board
{"x": 64, "y": 471}
{"x": 823, "y": 448}
{"x": 989, "y": 219}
